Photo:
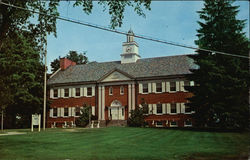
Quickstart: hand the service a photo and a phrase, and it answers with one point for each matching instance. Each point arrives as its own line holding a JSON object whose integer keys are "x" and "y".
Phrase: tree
{"x": 16, "y": 19}
{"x": 83, "y": 120}
{"x": 22, "y": 73}
{"x": 136, "y": 118}
{"x": 80, "y": 58}
{"x": 221, "y": 91}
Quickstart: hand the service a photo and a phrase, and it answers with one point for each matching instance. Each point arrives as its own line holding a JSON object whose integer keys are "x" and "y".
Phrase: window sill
{"x": 145, "y": 93}
{"x": 173, "y": 113}
{"x": 159, "y": 114}
{"x": 188, "y": 125}
{"x": 173, "y": 126}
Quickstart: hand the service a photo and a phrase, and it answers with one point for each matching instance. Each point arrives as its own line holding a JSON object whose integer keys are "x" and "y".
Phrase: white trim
{"x": 99, "y": 102}
{"x": 55, "y": 73}
{"x": 103, "y": 102}
{"x": 163, "y": 89}
{"x": 133, "y": 96}
{"x": 93, "y": 90}
{"x": 183, "y": 107}
{"x": 182, "y": 86}
{"x": 93, "y": 110}
{"x": 154, "y": 109}
{"x": 177, "y": 83}
{"x": 73, "y": 112}
{"x": 163, "y": 108}
{"x": 73, "y": 93}
{"x": 167, "y": 86}
{"x": 52, "y": 93}
{"x": 85, "y": 91}
{"x": 81, "y": 91}
{"x": 129, "y": 99}
{"x": 51, "y": 113}
{"x": 149, "y": 88}
{"x": 178, "y": 107}
{"x": 191, "y": 83}
{"x": 168, "y": 108}
{"x": 150, "y": 109}
{"x": 153, "y": 87}
{"x": 140, "y": 88}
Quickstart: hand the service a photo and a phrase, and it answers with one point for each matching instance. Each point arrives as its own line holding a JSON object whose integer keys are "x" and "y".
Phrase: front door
{"x": 116, "y": 113}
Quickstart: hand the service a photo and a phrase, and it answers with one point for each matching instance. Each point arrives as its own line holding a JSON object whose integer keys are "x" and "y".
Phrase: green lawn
{"x": 125, "y": 144}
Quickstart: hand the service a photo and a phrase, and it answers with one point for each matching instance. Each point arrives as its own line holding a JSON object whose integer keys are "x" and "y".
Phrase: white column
{"x": 133, "y": 96}
{"x": 129, "y": 99}
{"x": 103, "y": 101}
{"x": 99, "y": 102}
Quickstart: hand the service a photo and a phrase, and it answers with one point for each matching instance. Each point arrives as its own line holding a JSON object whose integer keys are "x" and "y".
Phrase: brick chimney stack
{"x": 65, "y": 63}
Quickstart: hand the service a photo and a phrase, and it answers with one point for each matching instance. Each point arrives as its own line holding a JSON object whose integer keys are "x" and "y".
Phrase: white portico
{"x": 116, "y": 111}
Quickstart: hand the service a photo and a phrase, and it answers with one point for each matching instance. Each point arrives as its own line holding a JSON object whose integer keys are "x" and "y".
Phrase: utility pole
{"x": 45, "y": 83}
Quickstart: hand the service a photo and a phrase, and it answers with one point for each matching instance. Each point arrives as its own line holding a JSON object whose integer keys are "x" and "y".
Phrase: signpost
{"x": 36, "y": 121}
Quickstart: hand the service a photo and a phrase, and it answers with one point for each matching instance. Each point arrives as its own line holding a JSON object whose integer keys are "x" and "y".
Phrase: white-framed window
{"x": 78, "y": 92}
{"x": 144, "y": 88}
{"x": 159, "y": 124}
{"x": 122, "y": 111}
{"x": 172, "y": 86}
{"x": 66, "y": 112}
{"x": 187, "y": 109}
{"x": 77, "y": 111}
{"x": 186, "y": 84}
{"x": 66, "y": 92}
{"x": 89, "y": 91}
{"x": 55, "y": 93}
{"x": 122, "y": 90}
{"x": 54, "y": 112}
{"x": 110, "y": 91}
{"x": 159, "y": 109}
{"x": 188, "y": 123}
{"x": 173, "y": 124}
{"x": 173, "y": 108}
{"x": 159, "y": 87}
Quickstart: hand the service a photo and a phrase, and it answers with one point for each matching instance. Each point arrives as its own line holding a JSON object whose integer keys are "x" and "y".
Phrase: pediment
{"x": 116, "y": 76}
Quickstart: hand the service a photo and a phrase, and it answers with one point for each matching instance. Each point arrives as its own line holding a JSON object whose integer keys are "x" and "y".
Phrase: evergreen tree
{"x": 221, "y": 82}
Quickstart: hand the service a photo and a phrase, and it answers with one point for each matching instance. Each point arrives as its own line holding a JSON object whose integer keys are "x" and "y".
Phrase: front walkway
{"x": 12, "y": 133}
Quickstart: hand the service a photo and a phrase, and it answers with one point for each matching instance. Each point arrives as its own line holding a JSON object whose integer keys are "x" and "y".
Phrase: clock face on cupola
{"x": 130, "y": 52}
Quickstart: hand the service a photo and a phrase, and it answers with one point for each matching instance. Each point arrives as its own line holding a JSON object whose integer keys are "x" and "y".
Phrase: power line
{"x": 124, "y": 33}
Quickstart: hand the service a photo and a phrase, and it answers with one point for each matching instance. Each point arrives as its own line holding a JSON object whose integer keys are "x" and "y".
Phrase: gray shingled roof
{"x": 148, "y": 67}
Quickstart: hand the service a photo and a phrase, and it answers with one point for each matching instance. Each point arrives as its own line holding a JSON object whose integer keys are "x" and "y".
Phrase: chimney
{"x": 65, "y": 63}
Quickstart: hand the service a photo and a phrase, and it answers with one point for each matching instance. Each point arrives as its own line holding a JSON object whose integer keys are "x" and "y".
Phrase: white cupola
{"x": 130, "y": 51}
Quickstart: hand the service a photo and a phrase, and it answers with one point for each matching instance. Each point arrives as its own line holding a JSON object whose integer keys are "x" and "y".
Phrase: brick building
{"x": 115, "y": 88}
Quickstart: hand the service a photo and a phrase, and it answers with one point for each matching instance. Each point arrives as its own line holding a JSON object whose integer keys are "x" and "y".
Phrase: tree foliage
{"x": 18, "y": 19}
{"x": 83, "y": 120}
{"x": 79, "y": 58}
{"x": 21, "y": 76}
{"x": 221, "y": 91}
{"x": 137, "y": 118}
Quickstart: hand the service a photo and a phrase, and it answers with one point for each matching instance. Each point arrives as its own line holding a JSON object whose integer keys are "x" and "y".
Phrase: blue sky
{"x": 168, "y": 20}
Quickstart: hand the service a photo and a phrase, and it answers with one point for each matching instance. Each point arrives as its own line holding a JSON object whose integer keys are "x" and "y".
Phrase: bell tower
{"x": 130, "y": 49}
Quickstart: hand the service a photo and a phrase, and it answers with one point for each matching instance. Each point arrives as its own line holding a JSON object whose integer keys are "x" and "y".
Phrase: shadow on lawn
{"x": 199, "y": 156}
